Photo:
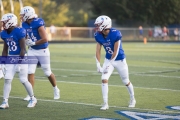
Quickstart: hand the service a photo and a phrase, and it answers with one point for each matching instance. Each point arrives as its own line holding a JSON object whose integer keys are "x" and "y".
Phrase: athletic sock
{"x": 29, "y": 88}
{"x": 104, "y": 87}
{"x": 7, "y": 88}
{"x": 131, "y": 90}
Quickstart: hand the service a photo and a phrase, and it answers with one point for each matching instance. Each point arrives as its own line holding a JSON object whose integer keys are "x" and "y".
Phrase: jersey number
{"x": 109, "y": 50}
{"x": 32, "y": 37}
{"x": 12, "y": 45}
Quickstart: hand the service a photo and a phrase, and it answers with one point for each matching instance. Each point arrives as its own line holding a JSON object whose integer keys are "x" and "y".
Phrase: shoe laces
{"x": 4, "y": 102}
{"x": 104, "y": 104}
{"x": 56, "y": 91}
{"x": 31, "y": 100}
{"x": 131, "y": 101}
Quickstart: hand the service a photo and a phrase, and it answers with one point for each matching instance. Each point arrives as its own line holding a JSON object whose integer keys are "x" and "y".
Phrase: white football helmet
{"x": 8, "y": 20}
{"x": 102, "y": 22}
{"x": 27, "y": 13}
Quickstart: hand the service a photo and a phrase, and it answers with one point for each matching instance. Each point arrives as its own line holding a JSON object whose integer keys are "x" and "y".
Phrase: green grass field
{"x": 154, "y": 70}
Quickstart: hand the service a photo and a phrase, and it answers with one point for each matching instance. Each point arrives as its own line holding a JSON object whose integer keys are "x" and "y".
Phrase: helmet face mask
{"x": 8, "y": 20}
{"x": 27, "y": 13}
{"x": 102, "y": 22}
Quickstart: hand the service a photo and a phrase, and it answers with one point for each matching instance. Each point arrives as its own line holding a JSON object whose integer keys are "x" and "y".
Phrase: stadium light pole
{"x": 12, "y": 6}
{"x": 21, "y": 4}
{"x": 2, "y": 8}
{"x": 40, "y": 8}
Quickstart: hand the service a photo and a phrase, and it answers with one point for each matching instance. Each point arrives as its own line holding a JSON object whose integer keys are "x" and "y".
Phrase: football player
{"x": 38, "y": 46}
{"x": 110, "y": 39}
{"x": 14, "y": 46}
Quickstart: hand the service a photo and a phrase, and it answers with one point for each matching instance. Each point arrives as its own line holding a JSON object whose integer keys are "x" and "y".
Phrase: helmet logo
{"x": 9, "y": 16}
{"x": 25, "y": 10}
{"x": 102, "y": 19}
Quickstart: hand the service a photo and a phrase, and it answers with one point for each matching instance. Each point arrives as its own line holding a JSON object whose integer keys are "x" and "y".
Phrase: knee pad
{"x": 23, "y": 78}
{"x": 125, "y": 81}
{"x": 31, "y": 69}
{"x": 47, "y": 71}
{"x": 8, "y": 81}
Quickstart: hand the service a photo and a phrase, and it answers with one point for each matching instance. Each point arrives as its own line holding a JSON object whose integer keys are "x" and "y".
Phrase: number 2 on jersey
{"x": 109, "y": 50}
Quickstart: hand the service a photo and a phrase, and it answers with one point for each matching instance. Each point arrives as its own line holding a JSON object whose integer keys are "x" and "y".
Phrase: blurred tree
{"x": 78, "y": 12}
{"x": 57, "y": 12}
{"x": 158, "y": 12}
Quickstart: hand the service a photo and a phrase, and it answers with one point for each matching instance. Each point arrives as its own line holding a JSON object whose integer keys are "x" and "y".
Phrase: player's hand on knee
{"x": 2, "y": 71}
{"x": 29, "y": 42}
{"x": 99, "y": 68}
{"x": 106, "y": 68}
{"x": 3, "y": 68}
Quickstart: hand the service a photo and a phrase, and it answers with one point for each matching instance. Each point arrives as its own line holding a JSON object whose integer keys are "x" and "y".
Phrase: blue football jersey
{"x": 32, "y": 32}
{"x": 13, "y": 39}
{"x": 108, "y": 43}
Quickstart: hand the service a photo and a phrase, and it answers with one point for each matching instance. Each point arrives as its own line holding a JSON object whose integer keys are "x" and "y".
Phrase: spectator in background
{"x": 140, "y": 32}
{"x": 52, "y": 30}
{"x": 150, "y": 34}
{"x": 157, "y": 31}
{"x": 165, "y": 32}
{"x": 66, "y": 32}
{"x": 176, "y": 34}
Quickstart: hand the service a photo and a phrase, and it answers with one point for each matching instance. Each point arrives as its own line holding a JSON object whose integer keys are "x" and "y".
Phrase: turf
{"x": 154, "y": 70}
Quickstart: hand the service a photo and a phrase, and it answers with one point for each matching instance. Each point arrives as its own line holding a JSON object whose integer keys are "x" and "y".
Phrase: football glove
{"x": 29, "y": 42}
{"x": 1, "y": 74}
{"x": 2, "y": 70}
{"x": 99, "y": 68}
{"x": 106, "y": 68}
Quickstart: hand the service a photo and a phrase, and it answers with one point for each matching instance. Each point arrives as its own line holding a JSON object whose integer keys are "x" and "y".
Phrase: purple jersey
{"x": 108, "y": 43}
{"x": 32, "y": 32}
{"x": 13, "y": 39}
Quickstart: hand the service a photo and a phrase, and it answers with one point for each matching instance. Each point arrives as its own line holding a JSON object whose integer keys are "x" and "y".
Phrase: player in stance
{"x": 38, "y": 46}
{"x": 110, "y": 39}
{"x": 14, "y": 45}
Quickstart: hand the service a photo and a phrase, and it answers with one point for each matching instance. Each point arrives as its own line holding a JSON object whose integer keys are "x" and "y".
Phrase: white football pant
{"x": 43, "y": 56}
{"x": 121, "y": 67}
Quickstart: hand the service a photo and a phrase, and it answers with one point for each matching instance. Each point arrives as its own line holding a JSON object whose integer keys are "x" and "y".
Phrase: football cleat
{"x": 104, "y": 107}
{"x": 132, "y": 103}
{"x": 32, "y": 102}
{"x": 56, "y": 93}
{"x": 27, "y": 98}
{"x": 4, "y": 105}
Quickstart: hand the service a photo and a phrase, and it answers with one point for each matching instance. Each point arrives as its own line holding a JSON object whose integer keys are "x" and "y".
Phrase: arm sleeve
{"x": 96, "y": 37}
{"x": 40, "y": 23}
{"x": 118, "y": 36}
{"x": 21, "y": 33}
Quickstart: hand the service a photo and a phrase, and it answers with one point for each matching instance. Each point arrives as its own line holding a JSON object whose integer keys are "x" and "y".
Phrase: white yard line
{"x": 95, "y": 105}
{"x": 131, "y": 73}
{"x": 110, "y": 85}
{"x": 128, "y": 64}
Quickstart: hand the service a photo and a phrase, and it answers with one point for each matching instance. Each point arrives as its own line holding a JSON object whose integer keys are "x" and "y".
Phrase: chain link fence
{"x": 129, "y": 34}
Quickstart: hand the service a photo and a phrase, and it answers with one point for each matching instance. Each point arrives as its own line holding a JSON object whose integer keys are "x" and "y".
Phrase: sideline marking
{"x": 39, "y": 79}
{"x": 89, "y": 104}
